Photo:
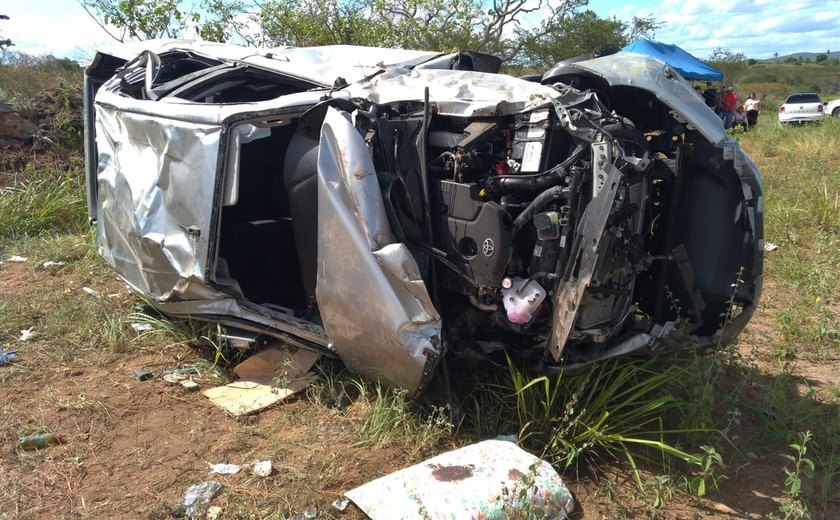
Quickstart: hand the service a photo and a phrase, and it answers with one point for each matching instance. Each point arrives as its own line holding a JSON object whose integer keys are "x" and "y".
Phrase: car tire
{"x": 836, "y": 112}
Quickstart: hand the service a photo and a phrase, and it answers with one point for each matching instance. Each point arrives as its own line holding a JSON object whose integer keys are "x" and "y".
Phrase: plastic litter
{"x": 91, "y": 292}
{"x": 18, "y": 259}
{"x": 197, "y": 499}
{"x": 341, "y": 504}
{"x": 225, "y": 469}
{"x": 40, "y": 441}
{"x": 182, "y": 379}
{"x": 141, "y": 327}
{"x": 768, "y": 246}
{"x": 179, "y": 370}
{"x": 26, "y": 334}
{"x": 214, "y": 512}
{"x": 50, "y": 263}
{"x": 6, "y": 357}
{"x": 262, "y": 468}
{"x": 311, "y": 513}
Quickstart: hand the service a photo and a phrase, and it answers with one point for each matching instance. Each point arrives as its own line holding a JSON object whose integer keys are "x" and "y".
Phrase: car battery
{"x": 533, "y": 145}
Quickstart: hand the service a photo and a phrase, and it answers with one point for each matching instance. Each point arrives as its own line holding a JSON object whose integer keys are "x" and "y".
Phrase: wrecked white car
{"x": 398, "y": 208}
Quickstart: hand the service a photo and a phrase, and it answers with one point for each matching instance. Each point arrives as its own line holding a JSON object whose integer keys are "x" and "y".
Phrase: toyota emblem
{"x": 488, "y": 247}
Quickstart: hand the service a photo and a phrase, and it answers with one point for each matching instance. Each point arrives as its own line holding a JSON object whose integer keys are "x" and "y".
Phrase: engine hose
{"x": 539, "y": 181}
{"x": 539, "y": 202}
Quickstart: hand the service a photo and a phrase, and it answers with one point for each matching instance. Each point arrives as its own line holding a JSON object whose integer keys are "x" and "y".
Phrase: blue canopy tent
{"x": 687, "y": 65}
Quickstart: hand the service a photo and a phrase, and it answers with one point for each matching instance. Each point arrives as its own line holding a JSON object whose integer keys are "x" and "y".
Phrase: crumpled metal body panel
{"x": 155, "y": 201}
{"x": 374, "y": 305}
{"x": 456, "y": 93}
{"x": 631, "y": 69}
{"x": 319, "y": 64}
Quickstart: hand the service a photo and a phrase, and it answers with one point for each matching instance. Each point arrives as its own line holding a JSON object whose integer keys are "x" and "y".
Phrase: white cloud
{"x": 758, "y": 28}
{"x": 62, "y": 29}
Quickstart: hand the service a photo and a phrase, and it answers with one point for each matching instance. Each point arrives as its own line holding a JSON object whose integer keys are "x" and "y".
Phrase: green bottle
{"x": 37, "y": 442}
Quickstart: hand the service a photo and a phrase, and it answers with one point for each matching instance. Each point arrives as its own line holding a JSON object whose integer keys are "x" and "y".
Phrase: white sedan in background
{"x": 833, "y": 108}
{"x": 801, "y": 108}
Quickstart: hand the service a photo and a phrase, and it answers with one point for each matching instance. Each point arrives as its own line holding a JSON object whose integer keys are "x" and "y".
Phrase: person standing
{"x": 729, "y": 101}
{"x": 710, "y": 96}
{"x": 752, "y": 106}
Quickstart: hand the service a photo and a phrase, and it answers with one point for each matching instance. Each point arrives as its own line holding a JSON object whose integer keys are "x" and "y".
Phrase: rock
{"x": 13, "y": 125}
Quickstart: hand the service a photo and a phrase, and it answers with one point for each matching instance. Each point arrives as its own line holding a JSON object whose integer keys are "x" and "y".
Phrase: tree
{"x": 139, "y": 19}
{"x": 731, "y": 63}
{"x": 821, "y": 58}
{"x": 491, "y": 26}
{"x": 583, "y": 32}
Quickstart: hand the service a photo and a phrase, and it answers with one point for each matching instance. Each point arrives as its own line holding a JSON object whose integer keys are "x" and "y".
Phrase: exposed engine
{"x": 506, "y": 197}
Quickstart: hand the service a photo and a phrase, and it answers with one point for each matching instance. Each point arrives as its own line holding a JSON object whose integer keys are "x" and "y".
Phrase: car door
{"x": 374, "y": 305}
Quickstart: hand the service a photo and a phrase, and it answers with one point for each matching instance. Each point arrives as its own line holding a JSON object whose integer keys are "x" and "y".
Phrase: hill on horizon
{"x": 803, "y": 56}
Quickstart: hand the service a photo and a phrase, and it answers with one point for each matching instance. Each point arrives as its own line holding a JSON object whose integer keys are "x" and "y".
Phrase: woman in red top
{"x": 729, "y": 102}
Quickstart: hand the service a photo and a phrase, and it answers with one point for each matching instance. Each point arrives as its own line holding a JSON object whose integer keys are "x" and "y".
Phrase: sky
{"x": 757, "y": 28}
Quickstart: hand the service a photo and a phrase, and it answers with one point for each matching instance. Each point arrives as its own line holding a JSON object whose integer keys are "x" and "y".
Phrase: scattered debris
{"x": 214, "y": 512}
{"x": 189, "y": 384}
{"x": 40, "y": 441}
{"x": 6, "y": 357}
{"x": 769, "y": 246}
{"x": 341, "y": 504}
{"x": 141, "y": 327}
{"x": 183, "y": 370}
{"x": 180, "y": 378}
{"x": 245, "y": 397}
{"x": 142, "y": 373}
{"x": 512, "y": 437}
{"x": 197, "y": 499}
{"x": 26, "y": 334}
{"x": 487, "y": 479}
{"x": 262, "y": 468}
{"x": 269, "y": 363}
{"x": 311, "y": 513}
{"x": 50, "y": 263}
{"x": 91, "y": 292}
{"x": 225, "y": 469}
{"x": 18, "y": 259}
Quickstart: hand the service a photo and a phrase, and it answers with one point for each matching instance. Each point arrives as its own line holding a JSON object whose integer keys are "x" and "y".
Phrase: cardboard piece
{"x": 266, "y": 365}
{"x": 248, "y": 396}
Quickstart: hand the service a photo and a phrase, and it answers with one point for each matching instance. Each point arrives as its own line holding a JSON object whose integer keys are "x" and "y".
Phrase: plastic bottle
{"x": 36, "y": 442}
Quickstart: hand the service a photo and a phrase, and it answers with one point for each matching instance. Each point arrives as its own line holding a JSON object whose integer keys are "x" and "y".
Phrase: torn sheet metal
{"x": 648, "y": 73}
{"x": 320, "y": 64}
{"x": 374, "y": 305}
{"x": 456, "y": 92}
{"x": 583, "y": 259}
{"x": 491, "y": 479}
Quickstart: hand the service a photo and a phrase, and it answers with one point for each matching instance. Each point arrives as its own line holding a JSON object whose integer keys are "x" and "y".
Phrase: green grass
{"x": 801, "y": 169}
{"x": 22, "y": 77}
{"x": 43, "y": 203}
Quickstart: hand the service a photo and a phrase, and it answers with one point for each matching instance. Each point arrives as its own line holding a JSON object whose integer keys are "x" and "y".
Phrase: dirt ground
{"x": 132, "y": 448}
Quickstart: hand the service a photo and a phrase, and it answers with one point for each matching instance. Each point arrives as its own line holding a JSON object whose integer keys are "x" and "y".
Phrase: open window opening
{"x": 257, "y": 254}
